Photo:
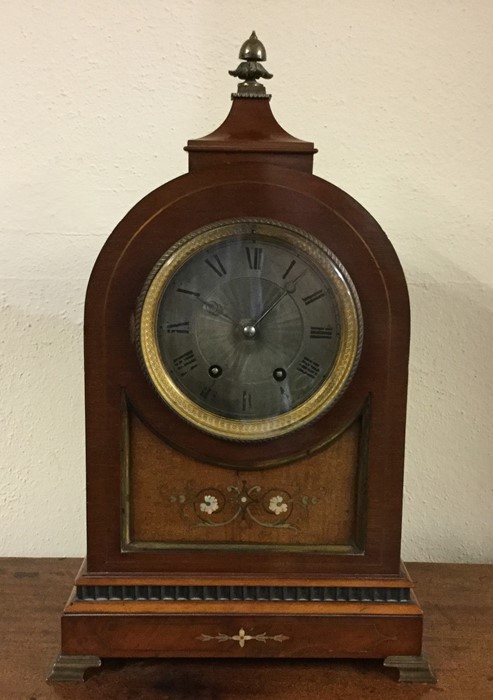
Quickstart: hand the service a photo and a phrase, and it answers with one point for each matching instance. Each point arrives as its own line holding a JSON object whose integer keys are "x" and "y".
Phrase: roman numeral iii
{"x": 321, "y": 332}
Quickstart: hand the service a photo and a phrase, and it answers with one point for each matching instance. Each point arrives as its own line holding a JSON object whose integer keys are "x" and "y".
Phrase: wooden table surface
{"x": 458, "y": 605}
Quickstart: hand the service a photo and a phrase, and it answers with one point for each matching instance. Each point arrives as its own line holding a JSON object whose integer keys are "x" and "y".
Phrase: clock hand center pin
{"x": 249, "y": 330}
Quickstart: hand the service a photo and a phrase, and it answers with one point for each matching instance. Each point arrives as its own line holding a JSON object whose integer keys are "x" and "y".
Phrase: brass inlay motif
{"x": 242, "y": 637}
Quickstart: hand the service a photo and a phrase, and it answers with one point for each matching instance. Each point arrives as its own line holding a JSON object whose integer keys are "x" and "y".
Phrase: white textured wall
{"x": 98, "y": 99}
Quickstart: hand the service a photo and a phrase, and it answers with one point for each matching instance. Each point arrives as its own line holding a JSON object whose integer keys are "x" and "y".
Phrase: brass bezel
{"x": 264, "y": 428}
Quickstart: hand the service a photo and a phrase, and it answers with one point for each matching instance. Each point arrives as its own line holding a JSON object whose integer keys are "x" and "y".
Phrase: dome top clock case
{"x": 246, "y": 349}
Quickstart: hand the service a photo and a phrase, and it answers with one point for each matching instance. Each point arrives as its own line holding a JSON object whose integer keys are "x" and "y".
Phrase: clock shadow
{"x": 46, "y": 384}
{"x": 448, "y": 476}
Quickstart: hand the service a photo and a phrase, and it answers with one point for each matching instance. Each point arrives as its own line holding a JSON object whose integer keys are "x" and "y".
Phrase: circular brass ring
{"x": 321, "y": 400}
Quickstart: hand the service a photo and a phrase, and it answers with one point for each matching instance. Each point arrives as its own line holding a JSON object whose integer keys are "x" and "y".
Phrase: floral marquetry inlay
{"x": 219, "y": 506}
{"x": 277, "y": 505}
{"x": 209, "y": 505}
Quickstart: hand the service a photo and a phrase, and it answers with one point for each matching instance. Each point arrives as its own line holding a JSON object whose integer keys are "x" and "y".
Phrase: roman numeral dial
{"x": 251, "y": 323}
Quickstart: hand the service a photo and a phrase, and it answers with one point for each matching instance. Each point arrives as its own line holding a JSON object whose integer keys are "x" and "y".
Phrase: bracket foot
{"x": 70, "y": 668}
{"x": 412, "y": 669}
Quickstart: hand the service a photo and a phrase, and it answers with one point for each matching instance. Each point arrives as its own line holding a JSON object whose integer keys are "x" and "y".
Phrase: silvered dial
{"x": 252, "y": 321}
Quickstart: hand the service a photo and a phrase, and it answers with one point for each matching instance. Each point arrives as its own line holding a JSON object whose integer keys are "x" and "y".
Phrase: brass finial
{"x": 249, "y": 70}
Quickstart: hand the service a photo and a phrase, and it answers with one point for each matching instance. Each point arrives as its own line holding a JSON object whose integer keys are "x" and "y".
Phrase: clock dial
{"x": 252, "y": 340}
{"x": 249, "y": 328}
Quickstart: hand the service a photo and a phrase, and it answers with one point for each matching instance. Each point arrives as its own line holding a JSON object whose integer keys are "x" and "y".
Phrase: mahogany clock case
{"x": 319, "y": 576}
{"x": 118, "y": 393}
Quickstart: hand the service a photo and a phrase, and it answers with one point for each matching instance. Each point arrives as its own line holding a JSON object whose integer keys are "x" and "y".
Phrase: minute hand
{"x": 289, "y": 288}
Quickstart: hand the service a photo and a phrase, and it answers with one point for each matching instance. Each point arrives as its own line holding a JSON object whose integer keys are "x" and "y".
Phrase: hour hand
{"x": 215, "y": 308}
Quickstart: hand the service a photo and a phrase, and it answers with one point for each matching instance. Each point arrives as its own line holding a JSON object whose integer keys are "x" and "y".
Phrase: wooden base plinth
{"x": 345, "y": 633}
{"x": 256, "y": 629}
{"x": 112, "y": 616}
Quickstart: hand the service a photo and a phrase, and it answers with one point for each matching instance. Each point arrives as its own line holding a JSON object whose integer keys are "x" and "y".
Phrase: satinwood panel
{"x": 178, "y": 500}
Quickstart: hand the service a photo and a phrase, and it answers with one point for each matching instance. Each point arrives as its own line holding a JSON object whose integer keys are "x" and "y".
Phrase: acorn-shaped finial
{"x": 250, "y": 69}
{"x": 253, "y": 49}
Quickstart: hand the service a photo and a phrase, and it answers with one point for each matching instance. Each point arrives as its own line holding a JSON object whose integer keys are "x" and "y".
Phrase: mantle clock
{"x": 246, "y": 353}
